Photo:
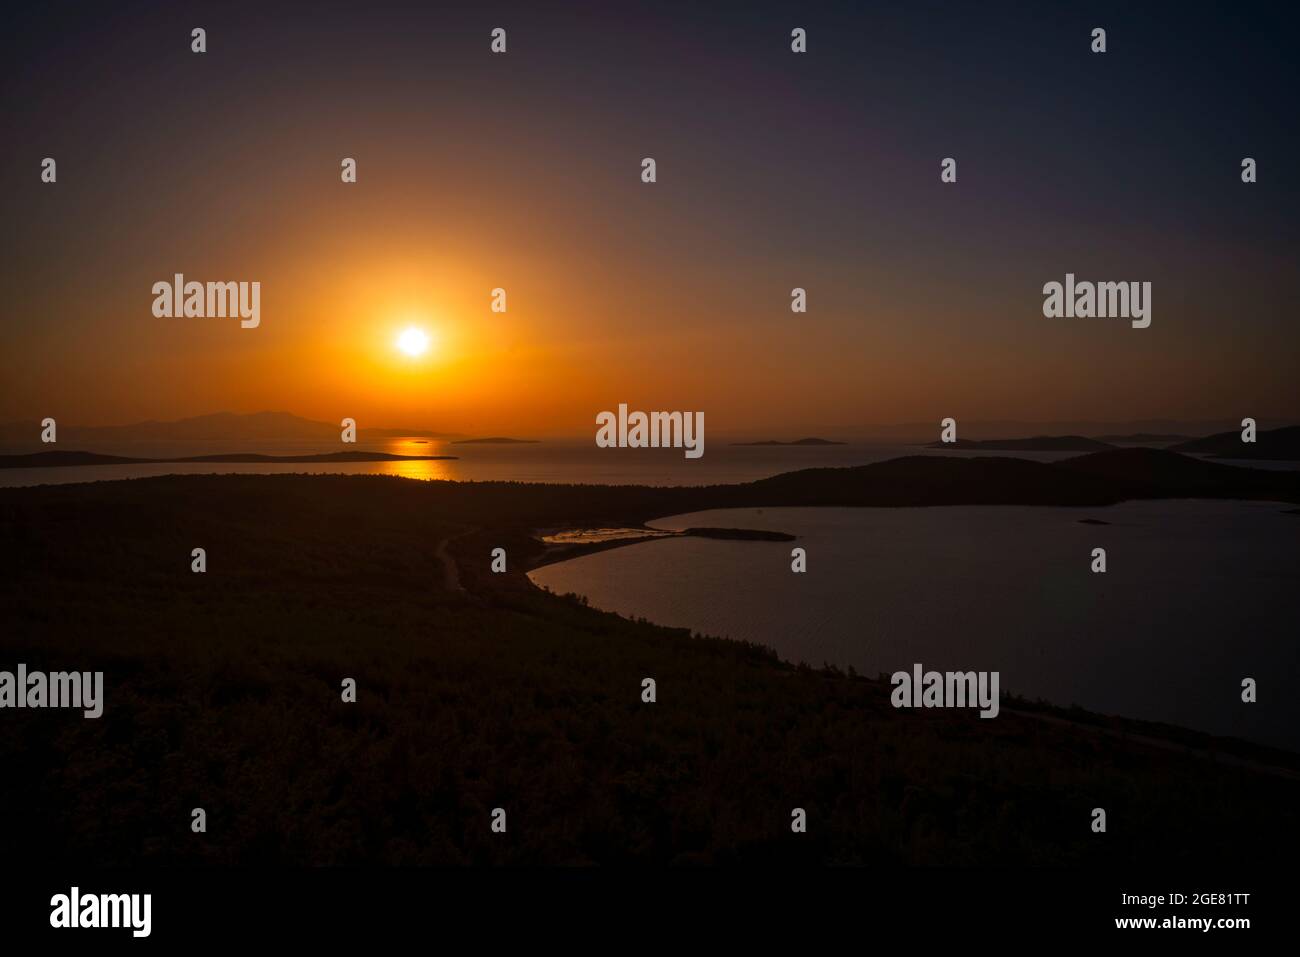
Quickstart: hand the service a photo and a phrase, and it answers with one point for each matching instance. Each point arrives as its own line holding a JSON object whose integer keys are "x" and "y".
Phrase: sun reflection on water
{"x": 420, "y": 469}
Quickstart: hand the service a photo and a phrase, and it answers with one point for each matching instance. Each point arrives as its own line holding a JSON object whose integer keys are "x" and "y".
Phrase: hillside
{"x": 477, "y": 690}
{"x": 1275, "y": 444}
{"x": 1041, "y": 443}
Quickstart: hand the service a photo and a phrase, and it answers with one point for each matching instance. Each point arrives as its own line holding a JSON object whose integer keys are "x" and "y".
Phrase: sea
{"x": 1196, "y": 597}
{"x": 564, "y": 461}
{"x": 571, "y": 461}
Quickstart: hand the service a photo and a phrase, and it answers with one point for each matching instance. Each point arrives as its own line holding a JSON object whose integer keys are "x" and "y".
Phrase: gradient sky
{"x": 775, "y": 170}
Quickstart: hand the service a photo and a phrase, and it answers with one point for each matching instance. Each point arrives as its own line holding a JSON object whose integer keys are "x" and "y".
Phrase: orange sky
{"x": 523, "y": 173}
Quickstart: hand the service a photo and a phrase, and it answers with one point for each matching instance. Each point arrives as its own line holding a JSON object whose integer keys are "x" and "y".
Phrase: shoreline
{"x": 556, "y": 552}
{"x": 391, "y": 582}
{"x": 1271, "y": 759}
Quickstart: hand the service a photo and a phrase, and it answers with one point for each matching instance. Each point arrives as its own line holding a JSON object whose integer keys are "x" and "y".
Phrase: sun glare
{"x": 413, "y": 341}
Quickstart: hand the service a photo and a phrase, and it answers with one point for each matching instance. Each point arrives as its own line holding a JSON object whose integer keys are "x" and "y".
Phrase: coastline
{"x": 611, "y": 588}
{"x": 455, "y": 665}
{"x": 556, "y": 552}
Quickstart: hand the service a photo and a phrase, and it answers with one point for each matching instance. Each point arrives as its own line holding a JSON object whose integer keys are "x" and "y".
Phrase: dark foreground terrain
{"x": 475, "y": 691}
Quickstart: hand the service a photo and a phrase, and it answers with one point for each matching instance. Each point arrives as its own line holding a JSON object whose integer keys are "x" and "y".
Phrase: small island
{"x": 561, "y": 544}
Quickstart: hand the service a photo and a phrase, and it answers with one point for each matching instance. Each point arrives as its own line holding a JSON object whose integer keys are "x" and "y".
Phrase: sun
{"x": 413, "y": 341}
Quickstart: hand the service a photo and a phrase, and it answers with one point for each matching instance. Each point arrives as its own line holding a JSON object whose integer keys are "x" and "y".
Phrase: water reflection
{"x": 427, "y": 470}
{"x": 1014, "y": 599}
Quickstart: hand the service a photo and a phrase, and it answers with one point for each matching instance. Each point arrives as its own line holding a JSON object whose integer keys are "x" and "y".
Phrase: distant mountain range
{"x": 1121, "y": 432}
{"x": 1040, "y": 443}
{"x": 219, "y": 426}
{"x": 1144, "y": 438}
{"x": 1098, "y": 478}
{"x": 1276, "y": 444}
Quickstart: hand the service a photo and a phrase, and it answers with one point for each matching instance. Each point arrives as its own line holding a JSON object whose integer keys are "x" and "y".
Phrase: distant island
{"x": 1282, "y": 445}
{"x": 495, "y": 440}
{"x": 38, "y": 460}
{"x": 1039, "y": 443}
{"x": 1091, "y": 480}
{"x": 810, "y": 441}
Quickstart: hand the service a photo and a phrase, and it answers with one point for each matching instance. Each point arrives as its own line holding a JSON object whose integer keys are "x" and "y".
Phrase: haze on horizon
{"x": 521, "y": 171}
{"x": 277, "y": 424}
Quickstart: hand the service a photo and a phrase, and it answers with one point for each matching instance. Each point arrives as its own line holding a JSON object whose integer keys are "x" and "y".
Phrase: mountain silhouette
{"x": 1039, "y": 443}
{"x": 1277, "y": 444}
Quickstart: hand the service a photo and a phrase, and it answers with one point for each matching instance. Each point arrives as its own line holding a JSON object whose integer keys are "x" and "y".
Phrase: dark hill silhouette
{"x": 932, "y": 480}
{"x": 1144, "y": 438}
{"x": 1277, "y": 444}
{"x": 1160, "y": 473}
{"x": 1098, "y": 478}
{"x": 223, "y": 689}
{"x": 1039, "y": 443}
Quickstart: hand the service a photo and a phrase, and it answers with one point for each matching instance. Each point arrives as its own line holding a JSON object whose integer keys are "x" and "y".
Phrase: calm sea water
{"x": 569, "y": 461}
{"x": 564, "y": 462}
{"x": 1197, "y": 596}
